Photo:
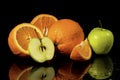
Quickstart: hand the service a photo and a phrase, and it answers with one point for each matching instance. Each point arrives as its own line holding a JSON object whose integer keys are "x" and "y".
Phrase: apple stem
{"x": 42, "y": 46}
{"x": 43, "y": 76}
{"x": 100, "y": 23}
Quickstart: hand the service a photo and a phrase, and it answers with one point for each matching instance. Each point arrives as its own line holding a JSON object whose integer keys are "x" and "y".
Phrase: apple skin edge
{"x": 101, "y": 40}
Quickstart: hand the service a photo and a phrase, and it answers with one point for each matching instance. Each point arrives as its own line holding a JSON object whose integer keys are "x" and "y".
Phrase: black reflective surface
{"x": 88, "y": 18}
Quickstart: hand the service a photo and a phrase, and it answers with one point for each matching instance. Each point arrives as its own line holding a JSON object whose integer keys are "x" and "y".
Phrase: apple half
{"x": 42, "y": 49}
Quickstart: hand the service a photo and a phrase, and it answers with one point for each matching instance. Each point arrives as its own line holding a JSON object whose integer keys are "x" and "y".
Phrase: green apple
{"x": 42, "y": 73}
{"x": 101, "y": 68}
{"x": 42, "y": 49}
{"x": 101, "y": 40}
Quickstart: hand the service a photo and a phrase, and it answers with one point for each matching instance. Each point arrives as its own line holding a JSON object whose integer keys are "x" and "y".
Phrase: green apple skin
{"x": 41, "y": 50}
{"x": 101, "y": 40}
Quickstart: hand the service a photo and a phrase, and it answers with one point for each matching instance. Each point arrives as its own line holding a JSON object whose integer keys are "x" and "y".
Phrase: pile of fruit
{"x": 45, "y": 35}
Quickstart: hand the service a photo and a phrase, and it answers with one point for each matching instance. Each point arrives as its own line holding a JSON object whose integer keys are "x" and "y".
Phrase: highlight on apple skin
{"x": 101, "y": 40}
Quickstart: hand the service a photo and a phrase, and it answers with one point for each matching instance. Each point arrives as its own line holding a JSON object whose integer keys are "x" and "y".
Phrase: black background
{"x": 86, "y": 13}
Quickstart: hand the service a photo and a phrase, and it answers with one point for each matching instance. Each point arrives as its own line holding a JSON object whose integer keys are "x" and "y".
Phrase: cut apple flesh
{"x": 41, "y": 50}
{"x": 81, "y": 52}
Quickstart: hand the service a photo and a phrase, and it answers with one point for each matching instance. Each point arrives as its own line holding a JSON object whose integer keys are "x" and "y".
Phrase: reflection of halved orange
{"x": 82, "y": 51}
{"x": 20, "y": 36}
{"x": 66, "y": 33}
{"x": 24, "y": 74}
{"x": 44, "y": 22}
{"x": 19, "y": 71}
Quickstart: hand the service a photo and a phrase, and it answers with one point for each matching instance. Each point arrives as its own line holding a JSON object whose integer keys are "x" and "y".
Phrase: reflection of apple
{"x": 42, "y": 49}
{"x": 101, "y": 68}
{"x": 101, "y": 40}
{"x": 42, "y": 73}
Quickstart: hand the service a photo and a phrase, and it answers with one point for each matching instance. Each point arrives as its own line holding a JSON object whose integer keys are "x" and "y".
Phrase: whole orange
{"x": 66, "y": 33}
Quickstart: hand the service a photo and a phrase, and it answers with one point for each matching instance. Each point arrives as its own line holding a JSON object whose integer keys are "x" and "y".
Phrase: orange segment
{"x": 20, "y": 36}
{"x": 44, "y": 22}
{"x": 82, "y": 51}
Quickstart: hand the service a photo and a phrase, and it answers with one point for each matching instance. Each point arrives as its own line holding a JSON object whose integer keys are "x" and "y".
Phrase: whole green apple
{"x": 101, "y": 40}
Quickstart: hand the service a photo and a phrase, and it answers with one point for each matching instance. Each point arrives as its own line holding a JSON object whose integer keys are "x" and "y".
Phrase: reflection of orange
{"x": 66, "y": 33}
{"x": 81, "y": 51}
{"x": 20, "y": 36}
{"x": 72, "y": 71}
{"x": 44, "y": 22}
{"x": 19, "y": 72}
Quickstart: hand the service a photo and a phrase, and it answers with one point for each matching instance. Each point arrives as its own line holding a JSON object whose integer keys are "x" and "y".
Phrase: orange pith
{"x": 20, "y": 36}
{"x": 44, "y": 22}
{"x": 66, "y": 33}
{"x": 82, "y": 51}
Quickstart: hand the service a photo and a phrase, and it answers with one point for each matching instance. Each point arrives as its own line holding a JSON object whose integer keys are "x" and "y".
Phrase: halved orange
{"x": 82, "y": 51}
{"x": 44, "y": 22}
{"x": 20, "y": 36}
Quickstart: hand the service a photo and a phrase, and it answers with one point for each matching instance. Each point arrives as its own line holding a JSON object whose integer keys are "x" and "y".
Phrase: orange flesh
{"x": 44, "y": 22}
{"x": 24, "y": 35}
{"x": 84, "y": 49}
{"x": 81, "y": 51}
